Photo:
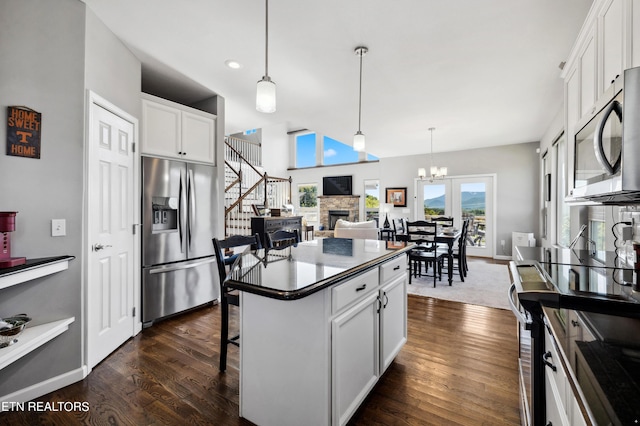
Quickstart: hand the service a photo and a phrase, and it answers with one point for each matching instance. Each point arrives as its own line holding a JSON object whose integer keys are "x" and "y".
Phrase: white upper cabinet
{"x": 608, "y": 43}
{"x": 176, "y": 131}
{"x": 588, "y": 73}
{"x": 611, "y": 33}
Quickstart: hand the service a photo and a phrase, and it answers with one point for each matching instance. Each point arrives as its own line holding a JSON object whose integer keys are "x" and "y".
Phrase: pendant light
{"x": 266, "y": 90}
{"x": 358, "y": 138}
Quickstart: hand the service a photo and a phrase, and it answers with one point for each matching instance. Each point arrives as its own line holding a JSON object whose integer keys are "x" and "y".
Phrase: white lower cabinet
{"x": 313, "y": 361}
{"x": 367, "y": 337}
{"x": 354, "y": 343}
{"x": 393, "y": 320}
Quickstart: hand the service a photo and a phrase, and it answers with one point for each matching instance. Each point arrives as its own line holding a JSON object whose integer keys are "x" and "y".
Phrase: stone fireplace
{"x": 334, "y": 215}
{"x": 334, "y": 207}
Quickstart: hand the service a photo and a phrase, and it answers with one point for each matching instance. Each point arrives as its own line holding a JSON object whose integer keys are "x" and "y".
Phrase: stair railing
{"x": 247, "y": 185}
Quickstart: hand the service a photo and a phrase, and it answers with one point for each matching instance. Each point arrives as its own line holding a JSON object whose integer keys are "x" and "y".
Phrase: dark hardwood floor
{"x": 459, "y": 367}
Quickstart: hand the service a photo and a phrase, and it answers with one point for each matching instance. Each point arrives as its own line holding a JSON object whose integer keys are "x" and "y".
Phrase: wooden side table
{"x": 387, "y": 234}
{"x": 306, "y": 230}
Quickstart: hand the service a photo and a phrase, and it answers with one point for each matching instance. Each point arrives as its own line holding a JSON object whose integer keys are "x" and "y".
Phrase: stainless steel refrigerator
{"x": 179, "y": 202}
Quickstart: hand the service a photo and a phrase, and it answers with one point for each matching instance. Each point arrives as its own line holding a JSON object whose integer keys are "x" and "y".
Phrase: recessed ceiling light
{"x": 233, "y": 64}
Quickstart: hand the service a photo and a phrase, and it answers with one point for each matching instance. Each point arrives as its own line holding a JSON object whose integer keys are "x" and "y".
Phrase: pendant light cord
{"x": 431, "y": 129}
{"x": 360, "y": 91}
{"x": 266, "y": 39}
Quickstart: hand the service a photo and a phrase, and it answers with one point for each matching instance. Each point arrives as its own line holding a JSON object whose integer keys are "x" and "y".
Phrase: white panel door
{"x": 112, "y": 262}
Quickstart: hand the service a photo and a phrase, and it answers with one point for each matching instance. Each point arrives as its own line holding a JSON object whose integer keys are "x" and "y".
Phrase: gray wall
{"x": 42, "y": 45}
{"x": 517, "y": 189}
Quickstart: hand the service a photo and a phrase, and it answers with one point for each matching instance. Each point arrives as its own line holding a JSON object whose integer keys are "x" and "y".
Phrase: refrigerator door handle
{"x": 191, "y": 201}
{"x": 181, "y": 215}
{"x": 171, "y": 268}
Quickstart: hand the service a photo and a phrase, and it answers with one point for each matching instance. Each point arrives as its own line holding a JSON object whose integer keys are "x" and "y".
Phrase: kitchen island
{"x": 320, "y": 323}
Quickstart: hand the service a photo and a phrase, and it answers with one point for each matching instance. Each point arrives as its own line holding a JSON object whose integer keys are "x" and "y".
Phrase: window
{"x": 338, "y": 153}
{"x": 308, "y": 201}
{"x": 372, "y": 199}
{"x": 434, "y": 200}
{"x": 334, "y": 152}
{"x": 597, "y": 229}
{"x": 306, "y": 150}
{"x": 563, "y": 236}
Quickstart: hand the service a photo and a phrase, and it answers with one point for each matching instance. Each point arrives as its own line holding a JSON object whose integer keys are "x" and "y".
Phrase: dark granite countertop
{"x": 311, "y": 266}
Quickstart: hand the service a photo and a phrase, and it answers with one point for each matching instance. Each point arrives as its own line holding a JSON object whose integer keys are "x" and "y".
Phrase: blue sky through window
{"x": 335, "y": 152}
{"x": 306, "y": 150}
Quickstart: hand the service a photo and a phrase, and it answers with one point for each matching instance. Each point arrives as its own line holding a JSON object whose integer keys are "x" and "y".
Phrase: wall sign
{"x": 23, "y": 132}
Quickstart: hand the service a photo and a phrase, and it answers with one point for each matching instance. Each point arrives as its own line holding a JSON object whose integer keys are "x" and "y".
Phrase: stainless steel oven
{"x": 524, "y": 357}
{"x": 536, "y": 287}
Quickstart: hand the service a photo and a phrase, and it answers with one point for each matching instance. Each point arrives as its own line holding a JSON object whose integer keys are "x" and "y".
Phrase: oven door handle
{"x": 519, "y": 315}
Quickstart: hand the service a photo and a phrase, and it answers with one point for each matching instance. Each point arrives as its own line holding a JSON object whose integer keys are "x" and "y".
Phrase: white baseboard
{"x": 502, "y": 257}
{"x": 43, "y": 388}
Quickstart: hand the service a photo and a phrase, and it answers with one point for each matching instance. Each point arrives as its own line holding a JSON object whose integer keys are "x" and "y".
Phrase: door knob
{"x": 98, "y": 247}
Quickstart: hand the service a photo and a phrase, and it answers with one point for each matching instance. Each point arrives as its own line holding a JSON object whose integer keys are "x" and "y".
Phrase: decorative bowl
{"x": 11, "y": 328}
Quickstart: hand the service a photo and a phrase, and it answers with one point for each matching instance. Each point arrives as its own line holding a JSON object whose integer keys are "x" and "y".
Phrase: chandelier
{"x": 435, "y": 171}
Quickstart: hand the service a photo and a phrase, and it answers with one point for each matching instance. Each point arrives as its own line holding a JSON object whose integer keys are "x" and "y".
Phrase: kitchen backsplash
{"x": 625, "y": 248}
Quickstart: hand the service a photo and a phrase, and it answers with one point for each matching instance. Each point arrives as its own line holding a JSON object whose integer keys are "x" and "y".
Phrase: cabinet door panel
{"x": 588, "y": 76}
{"x": 198, "y": 134}
{"x": 355, "y": 348}
{"x": 161, "y": 129}
{"x": 393, "y": 320}
{"x": 611, "y": 32}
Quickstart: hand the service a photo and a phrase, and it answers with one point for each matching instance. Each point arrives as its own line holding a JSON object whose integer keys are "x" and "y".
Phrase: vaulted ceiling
{"x": 483, "y": 73}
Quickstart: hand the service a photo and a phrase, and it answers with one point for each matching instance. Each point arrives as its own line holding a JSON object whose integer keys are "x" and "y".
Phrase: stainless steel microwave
{"x": 607, "y": 147}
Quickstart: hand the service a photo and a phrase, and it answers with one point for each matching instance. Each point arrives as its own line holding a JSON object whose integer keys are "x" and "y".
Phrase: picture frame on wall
{"x": 397, "y": 196}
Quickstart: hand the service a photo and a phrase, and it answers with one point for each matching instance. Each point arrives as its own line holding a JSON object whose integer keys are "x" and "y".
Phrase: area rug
{"x": 486, "y": 284}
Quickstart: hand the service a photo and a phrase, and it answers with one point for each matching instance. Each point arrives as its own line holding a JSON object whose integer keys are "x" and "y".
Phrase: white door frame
{"x": 493, "y": 176}
{"x": 93, "y": 98}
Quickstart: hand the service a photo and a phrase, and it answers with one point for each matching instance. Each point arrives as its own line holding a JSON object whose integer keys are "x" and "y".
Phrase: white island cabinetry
{"x": 314, "y": 360}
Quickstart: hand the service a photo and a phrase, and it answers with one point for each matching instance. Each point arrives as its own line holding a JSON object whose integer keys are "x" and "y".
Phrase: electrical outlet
{"x": 58, "y": 227}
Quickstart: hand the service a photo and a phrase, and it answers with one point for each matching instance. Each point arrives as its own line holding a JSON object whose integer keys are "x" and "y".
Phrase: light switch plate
{"x": 58, "y": 227}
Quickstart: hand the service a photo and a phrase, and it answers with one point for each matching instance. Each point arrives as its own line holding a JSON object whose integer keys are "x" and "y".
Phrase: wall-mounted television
{"x": 336, "y": 185}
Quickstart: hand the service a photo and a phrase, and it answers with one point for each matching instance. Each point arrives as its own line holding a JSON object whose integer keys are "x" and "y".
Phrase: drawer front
{"x": 345, "y": 294}
{"x": 273, "y": 225}
{"x": 393, "y": 268}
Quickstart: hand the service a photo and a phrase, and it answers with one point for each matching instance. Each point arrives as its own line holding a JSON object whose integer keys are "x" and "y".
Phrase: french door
{"x": 464, "y": 197}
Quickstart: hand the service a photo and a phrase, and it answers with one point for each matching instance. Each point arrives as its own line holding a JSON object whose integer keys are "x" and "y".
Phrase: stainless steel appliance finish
{"x": 535, "y": 286}
{"x": 607, "y": 146}
{"x": 178, "y": 206}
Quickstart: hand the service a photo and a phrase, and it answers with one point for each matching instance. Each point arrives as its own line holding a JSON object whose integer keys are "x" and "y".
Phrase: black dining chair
{"x": 423, "y": 233}
{"x": 399, "y": 229}
{"x": 282, "y": 239}
{"x": 445, "y": 221}
{"x": 228, "y": 297}
{"x": 460, "y": 252}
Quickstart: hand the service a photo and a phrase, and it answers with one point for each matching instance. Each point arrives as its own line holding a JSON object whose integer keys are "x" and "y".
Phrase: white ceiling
{"x": 483, "y": 73}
